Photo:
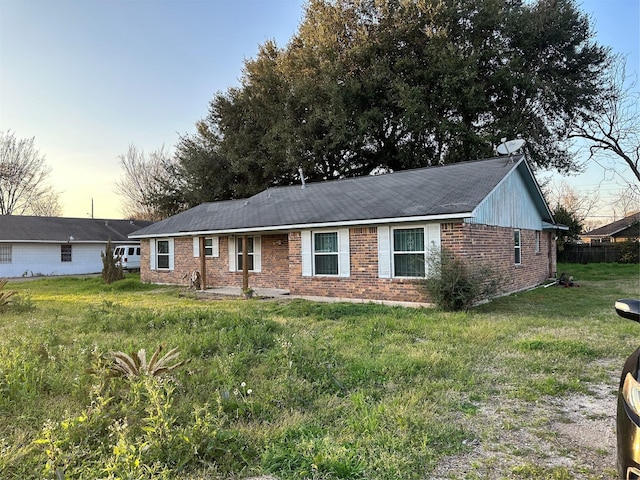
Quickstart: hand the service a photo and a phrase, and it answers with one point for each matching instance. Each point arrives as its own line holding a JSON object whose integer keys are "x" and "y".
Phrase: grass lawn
{"x": 294, "y": 389}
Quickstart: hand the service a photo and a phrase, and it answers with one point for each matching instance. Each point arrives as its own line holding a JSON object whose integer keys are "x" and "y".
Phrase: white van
{"x": 129, "y": 256}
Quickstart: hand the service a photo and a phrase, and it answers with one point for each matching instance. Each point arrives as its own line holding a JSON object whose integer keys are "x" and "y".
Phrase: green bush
{"x": 453, "y": 284}
{"x": 629, "y": 251}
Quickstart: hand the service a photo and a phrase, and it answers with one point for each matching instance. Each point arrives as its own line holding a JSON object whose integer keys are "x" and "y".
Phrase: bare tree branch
{"x": 139, "y": 182}
{"x": 614, "y": 128}
{"x": 23, "y": 176}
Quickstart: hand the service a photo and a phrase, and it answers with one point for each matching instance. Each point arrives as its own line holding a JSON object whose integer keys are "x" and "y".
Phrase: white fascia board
{"x": 64, "y": 242}
{"x": 304, "y": 226}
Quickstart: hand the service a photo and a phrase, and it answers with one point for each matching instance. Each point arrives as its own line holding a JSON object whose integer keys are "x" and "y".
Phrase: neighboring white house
{"x": 36, "y": 246}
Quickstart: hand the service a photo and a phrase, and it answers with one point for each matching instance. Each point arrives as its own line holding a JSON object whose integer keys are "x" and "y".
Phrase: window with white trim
{"x": 65, "y": 253}
{"x": 408, "y": 252}
{"x": 211, "y": 247}
{"x": 5, "y": 253}
{"x": 325, "y": 253}
{"x": 537, "y": 241}
{"x": 517, "y": 247}
{"x": 162, "y": 254}
{"x": 250, "y": 253}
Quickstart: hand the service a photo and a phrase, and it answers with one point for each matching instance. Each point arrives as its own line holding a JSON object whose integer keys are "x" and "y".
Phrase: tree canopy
{"x": 379, "y": 85}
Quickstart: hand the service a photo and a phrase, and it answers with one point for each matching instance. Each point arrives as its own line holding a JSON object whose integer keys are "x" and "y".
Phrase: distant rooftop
{"x": 21, "y": 228}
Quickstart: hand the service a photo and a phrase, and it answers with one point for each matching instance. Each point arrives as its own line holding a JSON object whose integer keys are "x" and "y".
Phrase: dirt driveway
{"x": 543, "y": 440}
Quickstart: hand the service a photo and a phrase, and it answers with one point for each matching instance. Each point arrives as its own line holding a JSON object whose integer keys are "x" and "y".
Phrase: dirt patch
{"x": 517, "y": 439}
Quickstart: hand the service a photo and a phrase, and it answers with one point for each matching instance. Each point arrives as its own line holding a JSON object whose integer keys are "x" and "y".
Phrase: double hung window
{"x": 208, "y": 247}
{"x": 162, "y": 254}
{"x": 325, "y": 253}
{"x": 65, "y": 253}
{"x": 408, "y": 252}
{"x": 5, "y": 253}
{"x": 517, "y": 247}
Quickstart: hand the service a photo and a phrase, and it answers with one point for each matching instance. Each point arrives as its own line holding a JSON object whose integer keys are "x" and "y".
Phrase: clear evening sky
{"x": 87, "y": 78}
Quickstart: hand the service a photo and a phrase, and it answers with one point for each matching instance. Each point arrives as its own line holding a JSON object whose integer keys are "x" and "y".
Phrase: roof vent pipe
{"x": 302, "y": 177}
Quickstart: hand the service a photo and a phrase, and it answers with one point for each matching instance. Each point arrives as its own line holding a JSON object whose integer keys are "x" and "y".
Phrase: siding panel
{"x": 509, "y": 205}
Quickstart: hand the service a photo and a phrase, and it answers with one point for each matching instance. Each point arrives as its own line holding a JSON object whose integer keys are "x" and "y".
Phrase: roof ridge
{"x": 519, "y": 157}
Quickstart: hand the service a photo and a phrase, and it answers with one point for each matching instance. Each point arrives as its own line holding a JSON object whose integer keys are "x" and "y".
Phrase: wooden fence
{"x": 590, "y": 253}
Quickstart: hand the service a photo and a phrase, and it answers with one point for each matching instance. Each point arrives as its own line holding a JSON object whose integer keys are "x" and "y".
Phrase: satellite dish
{"x": 512, "y": 146}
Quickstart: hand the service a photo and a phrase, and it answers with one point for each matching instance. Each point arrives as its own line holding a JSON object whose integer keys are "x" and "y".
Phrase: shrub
{"x": 136, "y": 364}
{"x": 629, "y": 251}
{"x": 111, "y": 268}
{"x": 454, "y": 285}
{"x": 5, "y": 295}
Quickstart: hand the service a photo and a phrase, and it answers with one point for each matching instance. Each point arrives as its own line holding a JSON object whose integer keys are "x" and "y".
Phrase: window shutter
{"x": 257, "y": 254}
{"x": 196, "y": 246}
{"x": 215, "y": 246}
{"x": 344, "y": 260}
{"x": 152, "y": 253}
{"x": 432, "y": 237}
{"x": 232, "y": 253}
{"x": 432, "y": 243}
{"x": 384, "y": 252}
{"x": 305, "y": 240}
{"x": 171, "y": 260}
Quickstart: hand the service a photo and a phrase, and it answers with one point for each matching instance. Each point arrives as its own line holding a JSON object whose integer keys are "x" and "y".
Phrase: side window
{"x": 138, "y": 251}
{"x": 517, "y": 247}
{"x": 5, "y": 253}
{"x": 65, "y": 253}
{"x": 131, "y": 250}
{"x": 537, "y": 241}
{"x": 408, "y": 252}
{"x": 325, "y": 253}
{"x": 162, "y": 254}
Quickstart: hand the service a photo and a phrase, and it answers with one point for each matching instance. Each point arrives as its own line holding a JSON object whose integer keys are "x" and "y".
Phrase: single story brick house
{"x": 364, "y": 238}
{"x": 35, "y": 246}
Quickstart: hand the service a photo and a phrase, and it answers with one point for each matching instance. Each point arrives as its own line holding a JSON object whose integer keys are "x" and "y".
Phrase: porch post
{"x": 245, "y": 265}
{"x": 203, "y": 266}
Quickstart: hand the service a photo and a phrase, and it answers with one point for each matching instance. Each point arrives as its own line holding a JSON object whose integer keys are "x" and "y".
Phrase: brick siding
{"x": 274, "y": 271}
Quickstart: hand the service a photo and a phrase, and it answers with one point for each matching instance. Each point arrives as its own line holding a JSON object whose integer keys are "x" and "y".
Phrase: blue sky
{"x": 87, "y": 78}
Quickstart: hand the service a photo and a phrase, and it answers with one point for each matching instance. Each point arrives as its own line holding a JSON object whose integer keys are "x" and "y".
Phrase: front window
{"x": 517, "y": 247}
{"x": 249, "y": 253}
{"x": 208, "y": 247}
{"x": 5, "y": 253}
{"x": 408, "y": 252}
{"x": 65, "y": 253}
{"x": 162, "y": 254}
{"x": 325, "y": 253}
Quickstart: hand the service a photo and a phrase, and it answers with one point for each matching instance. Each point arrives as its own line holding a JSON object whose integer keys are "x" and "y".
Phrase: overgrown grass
{"x": 295, "y": 389}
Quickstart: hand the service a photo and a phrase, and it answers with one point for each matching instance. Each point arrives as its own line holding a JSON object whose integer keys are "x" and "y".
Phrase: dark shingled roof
{"x": 19, "y": 228}
{"x": 614, "y": 228}
{"x": 454, "y": 190}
